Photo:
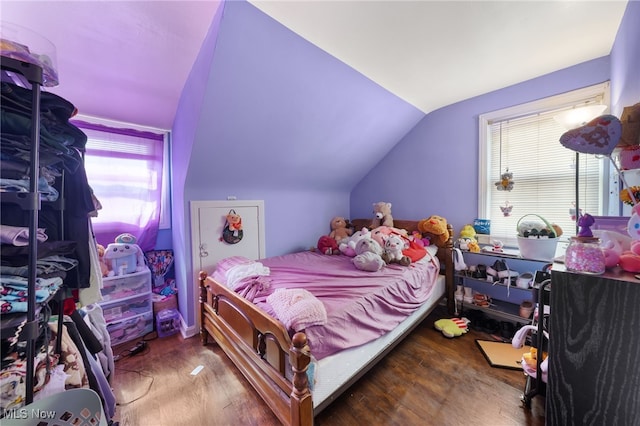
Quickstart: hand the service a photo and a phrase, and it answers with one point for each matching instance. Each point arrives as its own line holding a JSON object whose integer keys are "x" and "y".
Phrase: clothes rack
{"x": 31, "y": 203}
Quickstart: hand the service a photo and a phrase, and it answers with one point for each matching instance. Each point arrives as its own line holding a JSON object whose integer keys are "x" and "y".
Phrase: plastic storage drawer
{"x": 119, "y": 310}
{"x": 127, "y": 285}
{"x": 124, "y": 331}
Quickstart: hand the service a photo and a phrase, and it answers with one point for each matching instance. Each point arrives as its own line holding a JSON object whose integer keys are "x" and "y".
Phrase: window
{"x": 126, "y": 172}
{"x": 525, "y": 141}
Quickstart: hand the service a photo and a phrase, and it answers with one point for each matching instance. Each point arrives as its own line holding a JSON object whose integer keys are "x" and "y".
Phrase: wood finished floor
{"x": 427, "y": 380}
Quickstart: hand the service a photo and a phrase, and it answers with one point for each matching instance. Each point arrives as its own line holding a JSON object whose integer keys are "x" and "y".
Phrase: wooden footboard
{"x": 275, "y": 365}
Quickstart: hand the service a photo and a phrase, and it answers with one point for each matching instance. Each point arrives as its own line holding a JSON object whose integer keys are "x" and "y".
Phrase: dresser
{"x": 594, "y": 349}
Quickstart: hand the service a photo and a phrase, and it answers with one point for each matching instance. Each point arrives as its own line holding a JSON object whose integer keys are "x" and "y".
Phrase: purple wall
{"x": 284, "y": 122}
{"x": 267, "y": 115}
{"x": 183, "y": 136}
{"x": 625, "y": 61}
{"x": 444, "y": 145}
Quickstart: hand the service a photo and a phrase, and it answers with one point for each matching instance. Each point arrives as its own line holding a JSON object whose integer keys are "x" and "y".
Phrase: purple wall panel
{"x": 445, "y": 145}
{"x": 183, "y": 133}
{"x": 283, "y": 121}
{"x": 625, "y": 60}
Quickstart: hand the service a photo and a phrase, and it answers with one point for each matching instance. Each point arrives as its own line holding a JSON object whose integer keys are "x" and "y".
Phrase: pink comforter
{"x": 361, "y": 306}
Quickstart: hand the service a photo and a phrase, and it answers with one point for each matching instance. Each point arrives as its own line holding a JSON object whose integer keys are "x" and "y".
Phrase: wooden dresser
{"x": 594, "y": 349}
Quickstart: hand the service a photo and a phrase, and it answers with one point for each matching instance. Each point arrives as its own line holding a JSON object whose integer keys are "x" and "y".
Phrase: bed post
{"x": 301, "y": 401}
{"x": 203, "y": 300}
{"x": 450, "y": 272}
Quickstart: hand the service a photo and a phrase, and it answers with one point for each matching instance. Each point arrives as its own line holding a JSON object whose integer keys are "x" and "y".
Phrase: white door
{"x": 208, "y": 219}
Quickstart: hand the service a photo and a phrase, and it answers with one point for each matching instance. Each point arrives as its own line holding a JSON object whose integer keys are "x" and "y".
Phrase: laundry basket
{"x": 537, "y": 248}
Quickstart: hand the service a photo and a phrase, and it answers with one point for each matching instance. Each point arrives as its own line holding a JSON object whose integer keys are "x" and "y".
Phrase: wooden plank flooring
{"x": 427, "y": 380}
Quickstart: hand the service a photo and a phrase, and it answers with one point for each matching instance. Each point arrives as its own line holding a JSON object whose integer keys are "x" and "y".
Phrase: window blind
{"x": 544, "y": 174}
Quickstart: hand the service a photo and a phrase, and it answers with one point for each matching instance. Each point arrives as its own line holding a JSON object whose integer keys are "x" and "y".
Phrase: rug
{"x": 502, "y": 355}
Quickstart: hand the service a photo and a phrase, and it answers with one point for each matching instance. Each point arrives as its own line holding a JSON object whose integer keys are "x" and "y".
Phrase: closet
{"x": 47, "y": 250}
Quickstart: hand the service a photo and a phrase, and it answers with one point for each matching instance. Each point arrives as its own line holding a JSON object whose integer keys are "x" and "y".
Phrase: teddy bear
{"x": 436, "y": 227}
{"x": 393, "y": 246}
{"x": 104, "y": 269}
{"x": 348, "y": 245}
{"x": 339, "y": 229}
{"x": 368, "y": 255}
{"x": 381, "y": 215}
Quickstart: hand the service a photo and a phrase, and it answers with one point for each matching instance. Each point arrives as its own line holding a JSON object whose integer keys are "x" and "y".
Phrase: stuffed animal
{"x": 452, "y": 327}
{"x": 103, "y": 265}
{"x": 235, "y": 221}
{"x": 339, "y": 229}
{"x": 381, "y": 215}
{"x": 613, "y": 244}
{"x": 468, "y": 231}
{"x": 124, "y": 258}
{"x": 436, "y": 227}
{"x": 382, "y": 232}
{"x": 393, "y": 246}
{"x": 630, "y": 259}
{"x": 368, "y": 255}
{"x": 327, "y": 245}
{"x": 348, "y": 245}
{"x": 473, "y": 246}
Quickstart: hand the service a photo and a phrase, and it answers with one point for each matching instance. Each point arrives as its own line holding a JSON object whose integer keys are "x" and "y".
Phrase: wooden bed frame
{"x": 274, "y": 363}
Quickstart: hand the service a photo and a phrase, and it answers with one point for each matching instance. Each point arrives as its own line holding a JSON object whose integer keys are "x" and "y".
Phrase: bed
{"x": 282, "y": 365}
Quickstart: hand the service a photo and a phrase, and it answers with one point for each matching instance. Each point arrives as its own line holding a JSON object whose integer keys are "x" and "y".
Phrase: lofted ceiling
{"x": 129, "y": 60}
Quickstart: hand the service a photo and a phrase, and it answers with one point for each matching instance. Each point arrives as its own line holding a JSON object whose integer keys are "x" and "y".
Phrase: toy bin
{"x": 126, "y": 308}
{"x": 126, "y": 285}
{"x": 129, "y": 329}
{"x": 167, "y": 322}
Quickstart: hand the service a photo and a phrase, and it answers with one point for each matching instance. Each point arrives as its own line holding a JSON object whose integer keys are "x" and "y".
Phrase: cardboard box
{"x": 164, "y": 302}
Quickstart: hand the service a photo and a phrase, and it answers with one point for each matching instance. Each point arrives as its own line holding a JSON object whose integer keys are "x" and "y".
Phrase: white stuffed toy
{"x": 368, "y": 255}
{"x": 347, "y": 246}
{"x": 393, "y": 246}
{"x": 122, "y": 258}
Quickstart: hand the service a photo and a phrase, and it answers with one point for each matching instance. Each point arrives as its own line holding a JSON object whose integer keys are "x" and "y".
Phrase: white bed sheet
{"x": 334, "y": 371}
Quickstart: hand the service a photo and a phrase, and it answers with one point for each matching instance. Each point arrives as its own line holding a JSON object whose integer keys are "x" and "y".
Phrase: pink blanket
{"x": 361, "y": 306}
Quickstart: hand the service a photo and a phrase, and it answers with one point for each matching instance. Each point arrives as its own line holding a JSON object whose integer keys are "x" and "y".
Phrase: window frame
{"x": 609, "y": 181}
{"x": 165, "y": 203}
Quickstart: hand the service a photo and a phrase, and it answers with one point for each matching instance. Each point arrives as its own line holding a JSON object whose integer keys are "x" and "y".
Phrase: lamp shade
{"x": 576, "y": 117}
{"x": 599, "y": 136}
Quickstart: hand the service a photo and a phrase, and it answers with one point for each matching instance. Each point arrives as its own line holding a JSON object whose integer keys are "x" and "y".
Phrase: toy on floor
{"x": 452, "y": 327}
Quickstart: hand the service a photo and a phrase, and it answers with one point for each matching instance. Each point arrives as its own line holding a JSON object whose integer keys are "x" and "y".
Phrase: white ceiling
{"x": 128, "y": 60}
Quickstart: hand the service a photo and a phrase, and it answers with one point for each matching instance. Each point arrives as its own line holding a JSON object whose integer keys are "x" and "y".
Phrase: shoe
{"x": 500, "y": 266}
{"x": 480, "y": 272}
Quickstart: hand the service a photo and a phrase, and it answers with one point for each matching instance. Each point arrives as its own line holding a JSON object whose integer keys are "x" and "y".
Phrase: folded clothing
{"x": 19, "y": 235}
